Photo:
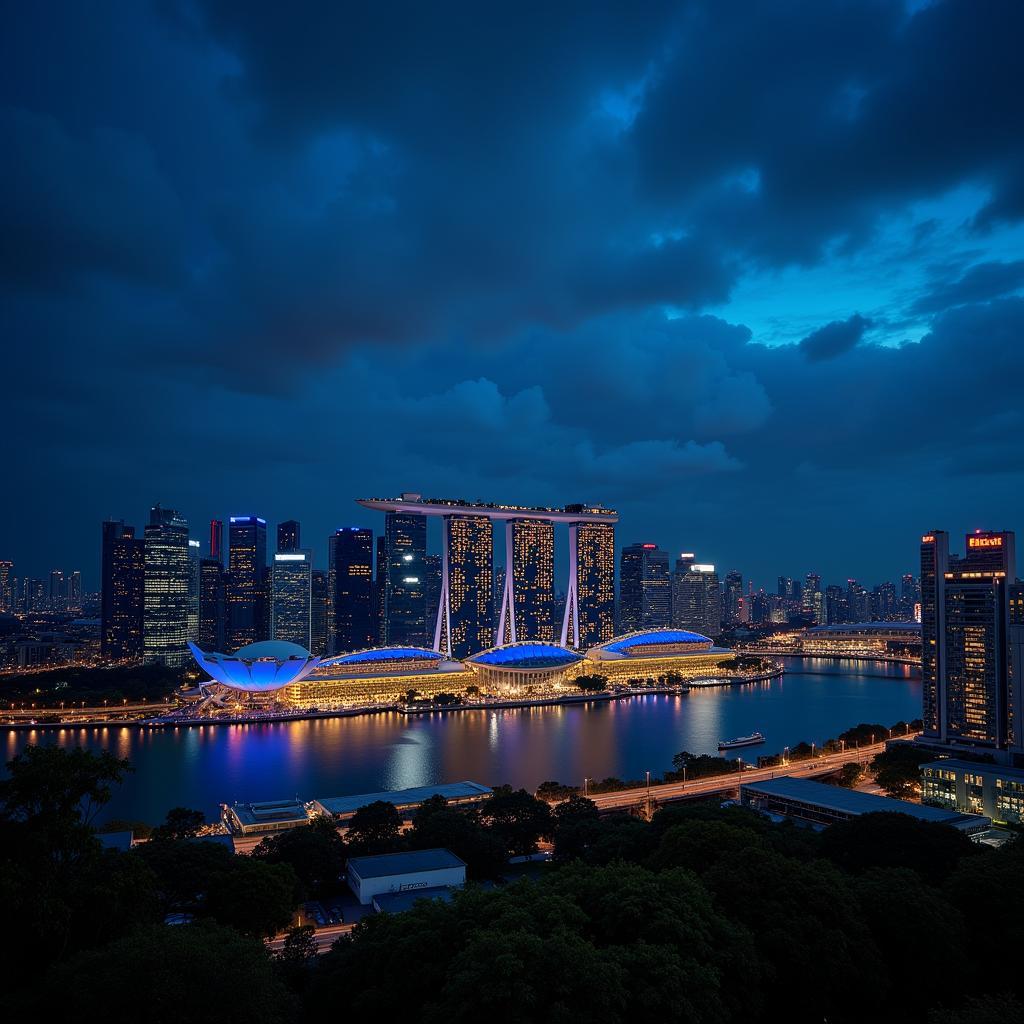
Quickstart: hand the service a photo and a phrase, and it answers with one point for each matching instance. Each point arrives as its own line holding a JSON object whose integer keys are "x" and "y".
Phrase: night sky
{"x": 750, "y": 273}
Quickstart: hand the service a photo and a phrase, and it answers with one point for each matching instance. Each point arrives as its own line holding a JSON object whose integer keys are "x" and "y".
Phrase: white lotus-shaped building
{"x": 258, "y": 668}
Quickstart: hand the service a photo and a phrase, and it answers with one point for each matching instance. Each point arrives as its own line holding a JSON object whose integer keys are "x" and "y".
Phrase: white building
{"x": 404, "y": 872}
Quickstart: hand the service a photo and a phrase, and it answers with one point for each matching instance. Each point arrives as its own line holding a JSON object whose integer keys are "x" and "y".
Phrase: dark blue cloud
{"x": 259, "y": 262}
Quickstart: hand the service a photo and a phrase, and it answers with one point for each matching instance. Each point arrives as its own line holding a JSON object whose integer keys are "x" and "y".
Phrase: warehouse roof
{"x": 387, "y": 864}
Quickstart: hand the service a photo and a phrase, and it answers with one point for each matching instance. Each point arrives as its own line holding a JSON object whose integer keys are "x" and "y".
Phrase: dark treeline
{"x": 703, "y": 914}
{"x": 70, "y": 687}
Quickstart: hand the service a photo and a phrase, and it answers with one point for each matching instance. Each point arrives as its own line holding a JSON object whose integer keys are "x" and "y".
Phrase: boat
{"x": 742, "y": 741}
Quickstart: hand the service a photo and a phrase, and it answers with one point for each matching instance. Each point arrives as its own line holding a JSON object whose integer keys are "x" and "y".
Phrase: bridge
{"x": 651, "y": 797}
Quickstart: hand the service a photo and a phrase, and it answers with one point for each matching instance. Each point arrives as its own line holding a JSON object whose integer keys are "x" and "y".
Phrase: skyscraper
{"x": 468, "y": 614}
{"x": 291, "y": 594}
{"x": 6, "y": 586}
{"x": 696, "y": 604}
{"x": 122, "y": 597}
{"x": 288, "y": 536}
{"x": 813, "y": 599}
{"x": 246, "y": 586}
{"x": 837, "y": 609}
{"x": 972, "y": 636}
{"x": 166, "y": 588}
{"x": 350, "y": 568}
{"x": 733, "y": 597}
{"x": 645, "y": 595}
{"x": 319, "y": 606}
{"x": 75, "y": 593}
{"x": 58, "y": 591}
{"x": 193, "y": 590}
{"x": 529, "y": 601}
{"x": 404, "y": 609}
{"x": 858, "y": 602}
{"x": 211, "y": 605}
{"x": 590, "y": 611}
{"x": 217, "y": 540}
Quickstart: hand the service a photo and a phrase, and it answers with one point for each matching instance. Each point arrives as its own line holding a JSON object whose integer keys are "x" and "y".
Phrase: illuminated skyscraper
{"x": 404, "y": 608}
{"x": 217, "y": 541}
{"x": 432, "y": 573}
{"x": 288, "y": 535}
{"x": 645, "y": 596}
{"x": 6, "y": 586}
{"x": 590, "y": 604}
{"x": 193, "y": 590}
{"x": 350, "y": 561}
{"x": 75, "y": 593}
{"x": 319, "y": 605}
{"x": 858, "y": 601}
{"x": 246, "y": 586}
{"x": 465, "y": 619}
{"x": 291, "y": 597}
{"x": 733, "y": 595}
{"x": 972, "y": 628}
{"x": 696, "y": 600}
{"x": 813, "y": 599}
{"x": 166, "y": 588}
{"x": 58, "y": 591}
{"x": 527, "y": 596}
{"x": 211, "y": 605}
{"x": 122, "y": 597}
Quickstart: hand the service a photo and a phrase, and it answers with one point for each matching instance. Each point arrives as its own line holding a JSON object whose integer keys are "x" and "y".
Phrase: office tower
{"x": 288, "y": 536}
{"x": 319, "y": 607}
{"x": 837, "y": 609}
{"x": 527, "y": 593}
{"x": 122, "y": 572}
{"x": 645, "y": 595}
{"x": 884, "y": 603}
{"x": 217, "y": 540}
{"x": 858, "y": 602}
{"x": 291, "y": 597}
{"x": 380, "y": 576}
{"x": 432, "y": 574}
{"x": 247, "y": 579}
{"x": 75, "y": 592}
{"x": 58, "y": 591}
{"x": 786, "y": 587}
{"x": 910, "y": 597}
{"x": 696, "y": 604}
{"x": 465, "y": 618}
{"x": 193, "y": 590}
{"x": 972, "y": 635}
{"x": 35, "y": 595}
{"x": 166, "y": 588}
{"x": 812, "y": 599}
{"x": 590, "y": 604}
{"x": 404, "y": 609}
{"x": 211, "y": 605}
{"x": 350, "y": 568}
{"x": 733, "y": 597}
{"x": 6, "y": 586}
{"x": 760, "y": 608}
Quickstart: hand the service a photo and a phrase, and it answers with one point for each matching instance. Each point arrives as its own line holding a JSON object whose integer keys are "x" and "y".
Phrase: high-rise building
{"x": 212, "y": 611}
{"x": 404, "y": 609}
{"x": 217, "y": 540}
{"x": 319, "y": 606}
{"x": 645, "y": 594}
{"x": 122, "y": 592}
{"x": 166, "y": 588}
{"x": 35, "y": 595}
{"x": 837, "y": 609}
{"x": 910, "y": 597}
{"x": 288, "y": 536}
{"x": 858, "y": 602}
{"x": 247, "y": 582}
{"x": 527, "y": 596}
{"x": 75, "y": 593}
{"x": 884, "y": 604}
{"x": 350, "y": 568}
{"x": 972, "y": 634}
{"x": 432, "y": 575}
{"x": 590, "y": 604}
{"x": 787, "y": 587}
{"x": 467, "y": 616}
{"x": 6, "y": 586}
{"x": 380, "y": 575}
{"x": 291, "y": 597}
{"x": 58, "y": 591}
{"x": 733, "y": 598}
{"x": 193, "y": 590}
{"x": 813, "y": 600}
{"x": 696, "y": 603}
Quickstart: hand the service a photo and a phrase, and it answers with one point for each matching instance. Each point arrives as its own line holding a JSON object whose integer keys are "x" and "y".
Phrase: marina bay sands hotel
{"x": 464, "y": 620}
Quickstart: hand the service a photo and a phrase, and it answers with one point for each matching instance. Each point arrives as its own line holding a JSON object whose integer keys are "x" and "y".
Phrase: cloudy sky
{"x": 749, "y": 272}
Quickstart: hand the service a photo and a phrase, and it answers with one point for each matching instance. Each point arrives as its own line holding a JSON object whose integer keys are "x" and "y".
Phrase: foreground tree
{"x": 437, "y": 825}
{"x": 375, "y": 828}
{"x": 316, "y": 854}
{"x": 517, "y": 818}
{"x": 898, "y": 770}
{"x": 180, "y": 823}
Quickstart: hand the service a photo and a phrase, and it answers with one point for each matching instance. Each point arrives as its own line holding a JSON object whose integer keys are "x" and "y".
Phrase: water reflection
{"x": 204, "y": 765}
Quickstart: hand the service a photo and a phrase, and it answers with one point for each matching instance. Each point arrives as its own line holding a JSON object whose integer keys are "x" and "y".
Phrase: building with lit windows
{"x": 403, "y": 607}
{"x": 590, "y": 602}
{"x": 972, "y": 622}
{"x": 465, "y": 618}
{"x": 211, "y": 605}
{"x": 193, "y": 589}
{"x": 863, "y": 640}
{"x": 526, "y": 594}
{"x": 645, "y": 588}
{"x": 166, "y": 588}
{"x": 350, "y": 571}
{"x": 971, "y": 787}
{"x": 6, "y": 586}
{"x": 696, "y": 600}
{"x": 288, "y": 535}
{"x": 320, "y": 608}
{"x": 247, "y": 579}
{"x": 291, "y": 597}
{"x": 122, "y": 597}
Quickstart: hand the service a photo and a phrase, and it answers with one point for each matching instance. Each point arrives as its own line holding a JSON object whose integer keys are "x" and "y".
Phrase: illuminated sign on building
{"x": 984, "y": 542}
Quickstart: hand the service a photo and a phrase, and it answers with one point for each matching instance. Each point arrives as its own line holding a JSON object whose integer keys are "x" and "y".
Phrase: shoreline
{"x": 572, "y": 699}
{"x": 887, "y": 660}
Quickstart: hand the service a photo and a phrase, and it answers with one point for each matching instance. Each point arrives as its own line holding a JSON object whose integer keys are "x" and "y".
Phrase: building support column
{"x": 571, "y": 619}
{"x": 507, "y": 618}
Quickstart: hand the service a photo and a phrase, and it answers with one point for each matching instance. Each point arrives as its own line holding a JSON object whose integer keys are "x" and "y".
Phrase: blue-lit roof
{"x": 527, "y": 655}
{"x": 384, "y": 654}
{"x": 652, "y": 638}
{"x": 267, "y": 665}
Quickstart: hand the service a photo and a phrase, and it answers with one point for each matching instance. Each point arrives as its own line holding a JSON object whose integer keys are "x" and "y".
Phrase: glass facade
{"x": 645, "y": 595}
{"x": 595, "y": 582}
{"x": 351, "y": 570}
{"x": 470, "y": 546}
{"x": 533, "y": 578}
{"x": 123, "y": 598}
{"x": 404, "y": 611}
{"x": 246, "y": 588}
{"x": 211, "y": 605}
{"x": 166, "y": 589}
{"x": 291, "y": 593}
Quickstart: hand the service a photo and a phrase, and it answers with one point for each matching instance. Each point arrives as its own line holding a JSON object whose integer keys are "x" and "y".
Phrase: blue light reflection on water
{"x": 202, "y": 766}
